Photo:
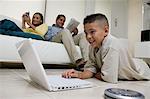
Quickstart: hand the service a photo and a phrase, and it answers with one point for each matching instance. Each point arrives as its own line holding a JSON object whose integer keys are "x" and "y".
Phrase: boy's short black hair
{"x": 60, "y": 15}
{"x": 93, "y": 17}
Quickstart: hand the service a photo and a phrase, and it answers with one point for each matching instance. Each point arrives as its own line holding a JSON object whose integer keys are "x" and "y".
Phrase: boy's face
{"x": 95, "y": 33}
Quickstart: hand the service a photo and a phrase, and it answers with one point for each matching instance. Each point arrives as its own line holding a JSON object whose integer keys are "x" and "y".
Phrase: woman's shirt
{"x": 40, "y": 30}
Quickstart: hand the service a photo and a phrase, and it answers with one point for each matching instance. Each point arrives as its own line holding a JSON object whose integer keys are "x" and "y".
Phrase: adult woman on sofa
{"x": 36, "y": 26}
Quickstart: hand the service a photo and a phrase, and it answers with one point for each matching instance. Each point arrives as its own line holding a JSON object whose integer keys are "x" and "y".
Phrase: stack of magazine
{"x": 73, "y": 23}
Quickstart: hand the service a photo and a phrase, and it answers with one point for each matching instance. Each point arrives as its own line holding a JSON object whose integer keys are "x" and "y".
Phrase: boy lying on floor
{"x": 109, "y": 59}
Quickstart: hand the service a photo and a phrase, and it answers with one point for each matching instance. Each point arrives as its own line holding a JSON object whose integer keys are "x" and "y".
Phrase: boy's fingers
{"x": 68, "y": 73}
{"x": 65, "y": 74}
{"x": 73, "y": 75}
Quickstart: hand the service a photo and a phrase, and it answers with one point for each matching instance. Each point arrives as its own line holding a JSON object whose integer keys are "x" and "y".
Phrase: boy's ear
{"x": 106, "y": 30}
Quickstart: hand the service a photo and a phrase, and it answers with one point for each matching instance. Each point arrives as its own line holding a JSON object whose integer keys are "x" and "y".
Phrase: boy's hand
{"x": 98, "y": 75}
{"x": 70, "y": 73}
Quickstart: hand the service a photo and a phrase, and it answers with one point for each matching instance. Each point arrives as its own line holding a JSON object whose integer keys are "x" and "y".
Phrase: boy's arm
{"x": 77, "y": 74}
{"x": 109, "y": 70}
{"x": 98, "y": 76}
{"x": 89, "y": 69}
{"x": 85, "y": 74}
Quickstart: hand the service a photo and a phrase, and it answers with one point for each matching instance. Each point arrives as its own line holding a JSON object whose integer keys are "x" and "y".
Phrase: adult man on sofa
{"x": 57, "y": 33}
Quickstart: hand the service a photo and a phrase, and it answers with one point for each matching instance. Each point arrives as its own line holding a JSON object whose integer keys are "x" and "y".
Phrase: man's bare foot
{"x": 80, "y": 64}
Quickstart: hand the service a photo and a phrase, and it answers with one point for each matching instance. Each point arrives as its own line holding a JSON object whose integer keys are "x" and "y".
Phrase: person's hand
{"x": 70, "y": 74}
{"x": 75, "y": 32}
{"x": 23, "y": 21}
{"x": 98, "y": 75}
{"x": 26, "y": 18}
{"x": 23, "y": 18}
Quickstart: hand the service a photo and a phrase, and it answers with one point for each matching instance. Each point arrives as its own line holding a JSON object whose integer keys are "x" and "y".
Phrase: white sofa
{"x": 49, "y": 52}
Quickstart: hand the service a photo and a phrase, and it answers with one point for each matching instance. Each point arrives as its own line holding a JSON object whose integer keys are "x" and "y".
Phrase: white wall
{"x": 104, "y": 7}
{"x": 15, "y": 8}
{"x": 116, "y": 12}
{"x": 146, "y": 16}
{"x": 119, "y": 17}
{"x": 134, "y": 22}
{"x": 70, "y": 8}
{"x": 89, "y": 7}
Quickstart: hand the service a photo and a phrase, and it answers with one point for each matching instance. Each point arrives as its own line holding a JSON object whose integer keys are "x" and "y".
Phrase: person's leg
{"x": 65, "y": 37}
{"x": 81, "y": 41}
{"x": 9, "y": 25}
{"x": 57, "y": 38}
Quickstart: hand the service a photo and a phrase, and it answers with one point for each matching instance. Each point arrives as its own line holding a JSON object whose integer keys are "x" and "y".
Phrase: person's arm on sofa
{"x": 28, "y": 21}
{"x": 23, "y": 22}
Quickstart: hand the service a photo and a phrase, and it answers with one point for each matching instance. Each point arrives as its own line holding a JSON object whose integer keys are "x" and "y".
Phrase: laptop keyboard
{"x": 59, "y": 83}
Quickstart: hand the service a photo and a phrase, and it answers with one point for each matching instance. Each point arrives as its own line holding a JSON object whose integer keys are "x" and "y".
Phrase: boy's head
{"x": 96, "y": 28}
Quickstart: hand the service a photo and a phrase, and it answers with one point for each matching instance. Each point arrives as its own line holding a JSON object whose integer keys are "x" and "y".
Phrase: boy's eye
{"x": 92, "y": 32}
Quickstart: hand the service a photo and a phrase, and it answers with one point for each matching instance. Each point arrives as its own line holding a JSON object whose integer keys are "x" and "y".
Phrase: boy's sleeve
{"x": 42, "y": 29}
{"x": 109, "y": 70}
{"x": 90, "y": 65}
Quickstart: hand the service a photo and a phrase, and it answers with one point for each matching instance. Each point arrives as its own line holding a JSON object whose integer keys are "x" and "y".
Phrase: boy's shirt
{"x": 114, "y": 62}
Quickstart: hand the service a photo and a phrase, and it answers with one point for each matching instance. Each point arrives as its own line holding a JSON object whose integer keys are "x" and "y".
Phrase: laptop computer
{"x": 37, "y": 73}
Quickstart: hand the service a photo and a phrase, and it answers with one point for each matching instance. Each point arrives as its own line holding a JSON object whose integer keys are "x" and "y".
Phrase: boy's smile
{"x": 95, "y": 33}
